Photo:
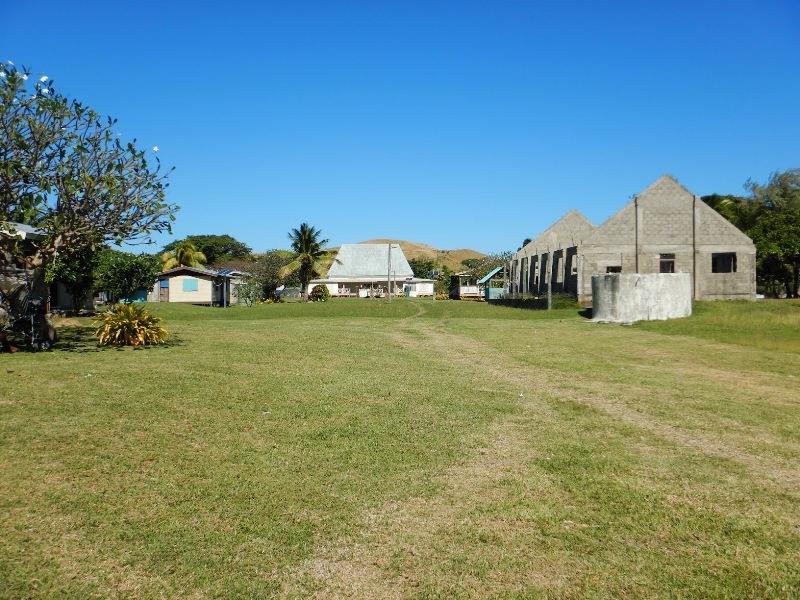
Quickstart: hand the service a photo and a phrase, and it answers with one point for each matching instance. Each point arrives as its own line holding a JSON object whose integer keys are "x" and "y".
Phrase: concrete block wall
{"x": 668, "y": 219}
{"x": 665, "y": 218}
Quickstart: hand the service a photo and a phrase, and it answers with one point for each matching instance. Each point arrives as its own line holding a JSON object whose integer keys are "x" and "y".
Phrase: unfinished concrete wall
{"x": 667, "y": 220}
{"x": 663, "y": 229}
{"x": 625, "y": 298}
{"x": 559, "y": 242}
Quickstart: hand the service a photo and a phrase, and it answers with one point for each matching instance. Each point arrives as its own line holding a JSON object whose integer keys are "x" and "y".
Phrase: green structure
{"x": 493, "y": 287}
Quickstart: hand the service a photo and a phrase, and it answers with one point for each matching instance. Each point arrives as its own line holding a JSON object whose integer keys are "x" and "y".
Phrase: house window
{"x": 723, "y": 262}
{"x": 163, "y": 283}
{"x": 666, "y": 263}
{"x": 614, "y": 269}
{"x": 190, "y": 284}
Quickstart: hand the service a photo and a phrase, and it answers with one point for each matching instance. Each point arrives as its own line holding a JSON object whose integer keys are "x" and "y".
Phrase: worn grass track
{"x": 430, "y": 450}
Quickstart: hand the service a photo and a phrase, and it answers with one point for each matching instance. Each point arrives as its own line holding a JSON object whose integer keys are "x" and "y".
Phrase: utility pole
{"x": 549, "y": 279}
{"x": 389, "y": 273}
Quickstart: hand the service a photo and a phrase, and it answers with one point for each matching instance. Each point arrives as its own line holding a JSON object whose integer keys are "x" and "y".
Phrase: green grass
{"x": 774, "y": 324}
{"x": 412, "y": 449}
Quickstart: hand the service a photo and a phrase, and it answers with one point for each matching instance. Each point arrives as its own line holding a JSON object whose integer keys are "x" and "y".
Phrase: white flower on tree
{"x": 155, "y": 148}
{"x": 43, "y": 78}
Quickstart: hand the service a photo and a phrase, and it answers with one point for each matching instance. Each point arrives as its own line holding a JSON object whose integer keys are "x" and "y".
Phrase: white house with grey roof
{"x": 372, "y": 270}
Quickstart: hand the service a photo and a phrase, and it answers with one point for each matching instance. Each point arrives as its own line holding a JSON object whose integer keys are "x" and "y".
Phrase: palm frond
{"x": 290, "y": 268}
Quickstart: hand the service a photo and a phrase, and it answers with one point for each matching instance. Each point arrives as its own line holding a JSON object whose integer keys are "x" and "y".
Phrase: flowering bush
{"x": 129, "y": 325}
{"x": 250, "y": 292}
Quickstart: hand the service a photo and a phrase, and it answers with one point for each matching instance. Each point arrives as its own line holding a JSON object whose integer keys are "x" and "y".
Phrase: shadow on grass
{"x": 82, "y": 339}
{"x": 586, "y": 313}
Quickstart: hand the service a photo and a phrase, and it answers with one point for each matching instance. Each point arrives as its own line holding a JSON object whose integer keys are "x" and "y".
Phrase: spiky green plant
{"x": 129, "y": 325}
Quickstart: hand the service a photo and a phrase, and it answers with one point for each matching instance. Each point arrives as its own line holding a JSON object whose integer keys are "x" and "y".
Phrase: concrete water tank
{"x": 629, "y": 297}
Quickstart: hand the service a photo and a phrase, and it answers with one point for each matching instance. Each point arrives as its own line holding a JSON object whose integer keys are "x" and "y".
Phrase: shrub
{"x": 564, "y": 301}
{"x": 319, "y": 293}
{"x": 442, "y": 296}
{"x": 250, "y": 291}
{"x": 540, "y": 303}
{"x": 129, "y": 325}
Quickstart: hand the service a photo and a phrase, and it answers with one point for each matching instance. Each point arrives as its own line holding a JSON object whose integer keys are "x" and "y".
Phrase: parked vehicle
{"x": 25, "y": 311}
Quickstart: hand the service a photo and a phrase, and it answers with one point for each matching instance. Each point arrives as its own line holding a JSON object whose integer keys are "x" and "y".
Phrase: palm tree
{"x": 742, "y": 212}
{"x": 185, "y": 254}
{"x": 310, "y": 257}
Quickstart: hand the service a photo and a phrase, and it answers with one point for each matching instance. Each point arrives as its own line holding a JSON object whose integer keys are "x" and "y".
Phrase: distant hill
{"x": 449, "y": 258}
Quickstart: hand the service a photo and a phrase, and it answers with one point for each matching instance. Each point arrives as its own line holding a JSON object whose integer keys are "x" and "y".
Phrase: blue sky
{"x": 459, "y": 124}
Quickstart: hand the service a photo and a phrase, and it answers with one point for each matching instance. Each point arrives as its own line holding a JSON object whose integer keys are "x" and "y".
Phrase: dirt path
{"x": 474, "y": 355}
{"x": 361, "y": 566}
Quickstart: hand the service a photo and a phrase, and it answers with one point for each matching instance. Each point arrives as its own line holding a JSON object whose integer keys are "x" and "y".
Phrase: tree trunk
{"x": 305, "y": 277}
{"x": 75, "y": 301}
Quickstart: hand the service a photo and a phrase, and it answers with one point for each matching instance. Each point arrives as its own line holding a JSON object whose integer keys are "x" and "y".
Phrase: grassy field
{"x": 415, "y": 449}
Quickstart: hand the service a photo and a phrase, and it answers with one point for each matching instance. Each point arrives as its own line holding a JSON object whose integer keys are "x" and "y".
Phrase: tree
{"x": 442, "y": 284}
{"x": 122, "y": 274}
{"x": 310, "y": 257}
{"x": 269, "y": 271}
{"x": 777, "y": 240}
{"x": 771, "y": 217}
{"x": 76, "y": 272}
{"x": 216, "y": 248}
{"x": 478, "y": 267}
{"x": 776, "y": 231}
{"x": 250, "y": 291}
{"x": 63, "y": 169}
{"x": 781, "y": 192}
{"x": 185, "y": 254}
{"x": 471, "y": 263}
{"x": 739, "y": 210}
{"x": 422, "y": 267}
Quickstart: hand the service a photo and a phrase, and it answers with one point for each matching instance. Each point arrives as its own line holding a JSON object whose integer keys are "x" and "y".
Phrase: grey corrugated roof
{"x": 26, "y": 231}
{"x": 369, "y": 260}
{"x": 231, "y": 272}
{"x": 198, "y": 270}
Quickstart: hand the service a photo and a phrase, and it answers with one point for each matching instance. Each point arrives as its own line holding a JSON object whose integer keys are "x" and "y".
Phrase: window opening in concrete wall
{"x": 666, "y": 263}
{"x": 614, "y": 269}
{"x": 723, "y": 262}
